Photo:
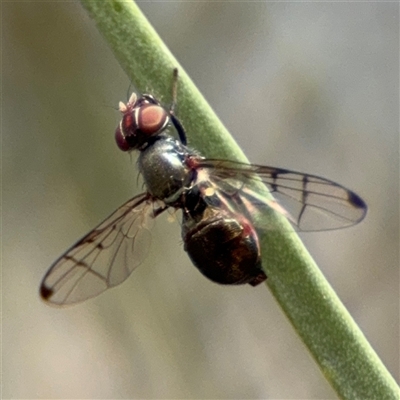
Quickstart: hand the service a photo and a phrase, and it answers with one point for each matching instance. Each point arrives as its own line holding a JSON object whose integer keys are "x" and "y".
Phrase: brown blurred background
{"x": 307, "y": 86}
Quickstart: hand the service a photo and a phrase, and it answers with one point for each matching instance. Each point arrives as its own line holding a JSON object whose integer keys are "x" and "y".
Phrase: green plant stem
{"x": 342, "y": 352}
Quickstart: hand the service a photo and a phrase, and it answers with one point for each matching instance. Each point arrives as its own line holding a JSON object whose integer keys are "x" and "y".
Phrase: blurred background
{"x": 311, "y": 87}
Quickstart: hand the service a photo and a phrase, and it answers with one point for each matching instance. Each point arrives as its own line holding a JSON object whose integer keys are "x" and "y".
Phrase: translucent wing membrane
{"x": 311, "y": 203}
{"x": 105, "y": 257}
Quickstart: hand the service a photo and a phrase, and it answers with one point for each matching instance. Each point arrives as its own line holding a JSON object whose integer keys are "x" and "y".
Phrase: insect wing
{"x": 311, "y": 203}
{"x": 103, "y": 258}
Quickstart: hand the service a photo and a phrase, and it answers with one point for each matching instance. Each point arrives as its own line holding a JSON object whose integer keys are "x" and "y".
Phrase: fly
{"x": 220, "y": 210}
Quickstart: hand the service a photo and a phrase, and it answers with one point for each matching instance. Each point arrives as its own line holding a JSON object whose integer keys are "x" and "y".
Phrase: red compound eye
{"x": 152, "y": 119}
{"x": 120, "y": 139}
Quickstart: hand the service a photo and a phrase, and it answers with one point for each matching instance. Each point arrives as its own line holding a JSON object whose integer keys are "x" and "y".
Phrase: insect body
{"x": 219, "y": 206}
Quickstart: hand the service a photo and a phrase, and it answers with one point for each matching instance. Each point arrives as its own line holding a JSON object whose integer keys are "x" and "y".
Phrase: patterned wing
{"x": 311, "y": 203}
{"x": 104, "y": 258}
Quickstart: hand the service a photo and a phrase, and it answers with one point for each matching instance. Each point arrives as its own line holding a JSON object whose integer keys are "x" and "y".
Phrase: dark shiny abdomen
{"x": 224, "y": 248}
